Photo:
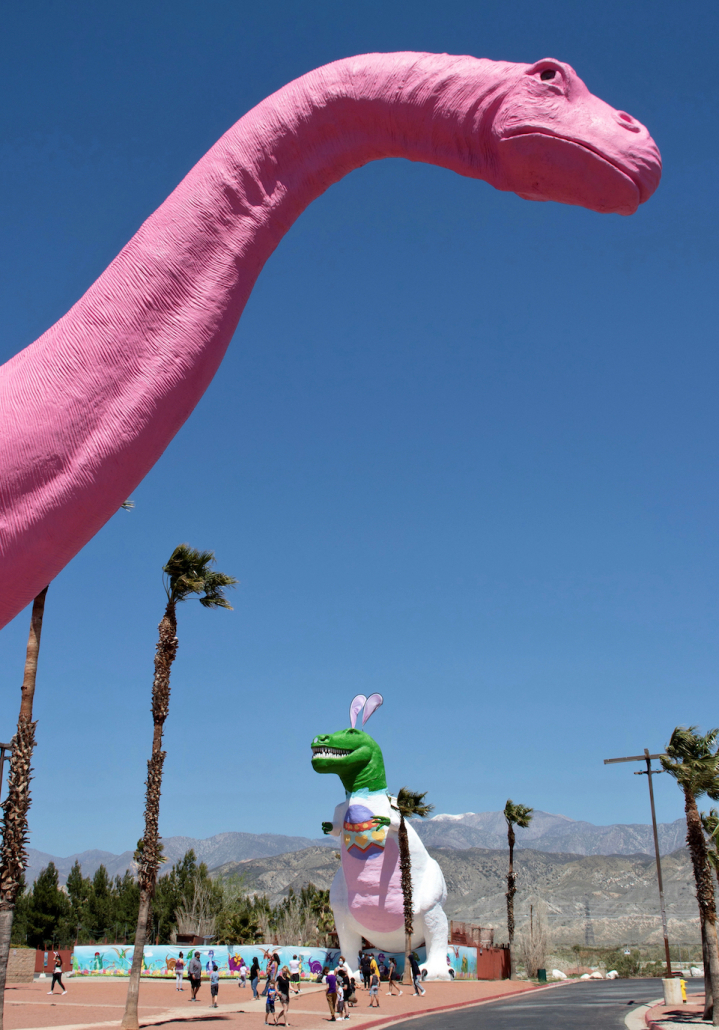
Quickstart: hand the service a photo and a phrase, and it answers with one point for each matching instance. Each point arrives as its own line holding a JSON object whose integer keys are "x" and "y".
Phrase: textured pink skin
{"x": 87, "y": 409}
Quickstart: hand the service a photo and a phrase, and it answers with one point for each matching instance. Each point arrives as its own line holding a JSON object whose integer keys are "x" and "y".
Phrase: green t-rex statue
{"x": 366, "y": 895}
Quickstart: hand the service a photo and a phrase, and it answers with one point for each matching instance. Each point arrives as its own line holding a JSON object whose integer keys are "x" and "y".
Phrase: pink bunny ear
{"x": 373, "y": 703}
{"x": 356, "y": 707}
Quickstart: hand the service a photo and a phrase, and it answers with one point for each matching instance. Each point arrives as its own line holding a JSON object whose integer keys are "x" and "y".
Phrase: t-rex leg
{"x": 345, "y": 924}
{"x": 350, "y": 940}
{"x": 436, "y": 932}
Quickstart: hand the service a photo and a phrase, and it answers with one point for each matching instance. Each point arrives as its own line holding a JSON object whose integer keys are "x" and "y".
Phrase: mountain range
{"x": 546, "y": 832}
{"x": 214, "y": 851}
{"x": 487, "y": 830}
{"x": 586, "y": 899}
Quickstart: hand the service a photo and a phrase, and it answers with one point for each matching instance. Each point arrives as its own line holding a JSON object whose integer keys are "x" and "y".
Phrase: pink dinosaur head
{"x": 551, "y": 139}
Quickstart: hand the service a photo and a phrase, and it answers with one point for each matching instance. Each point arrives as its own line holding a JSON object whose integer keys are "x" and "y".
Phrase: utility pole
{"x": 649, "y": 772}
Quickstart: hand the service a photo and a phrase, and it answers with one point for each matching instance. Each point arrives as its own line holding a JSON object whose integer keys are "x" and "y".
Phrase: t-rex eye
{"x": 547, "y": 74}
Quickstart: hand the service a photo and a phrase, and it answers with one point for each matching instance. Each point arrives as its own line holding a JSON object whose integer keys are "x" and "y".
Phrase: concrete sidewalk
{"x": 672, "y": 1017}
{"x": 91, "y": 1005}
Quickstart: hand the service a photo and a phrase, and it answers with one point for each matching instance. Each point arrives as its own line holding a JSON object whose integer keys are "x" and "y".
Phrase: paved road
{"x": 598, "y": 1005}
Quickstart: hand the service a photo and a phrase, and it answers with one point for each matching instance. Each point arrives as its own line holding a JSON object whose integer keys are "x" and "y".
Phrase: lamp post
{"x": 649, "y": 772}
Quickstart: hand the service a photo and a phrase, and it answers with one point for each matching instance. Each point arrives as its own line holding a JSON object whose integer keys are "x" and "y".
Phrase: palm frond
{"x": 692, "y": 759}
{"x": 519, "y": 815}
{"x": 189, "y": 572}
{"x": 710, "y": 822}
{"x": 410, "y": 802}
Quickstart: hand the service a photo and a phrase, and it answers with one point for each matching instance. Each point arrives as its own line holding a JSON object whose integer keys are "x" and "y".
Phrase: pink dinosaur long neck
{"x": 88, "y": 408}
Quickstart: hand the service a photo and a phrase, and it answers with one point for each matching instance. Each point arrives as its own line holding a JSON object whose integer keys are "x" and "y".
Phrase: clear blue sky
{"x": 462, "y": 450}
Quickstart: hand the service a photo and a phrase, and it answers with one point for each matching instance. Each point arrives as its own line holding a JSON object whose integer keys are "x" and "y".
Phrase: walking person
{"x": 340, "y": 1005}
{"x": 179, "y": 969}
{"x": 373, "y": 966}
{"x": 243, "y": 974}
{"x": 283, "y": 993}
{"x": 270, "y": 1003}
{"x": 331, "y": 980}
{"x": 194, "y": 971}
{"x": 351, "y": 992}
{"x": 57, "y": 974}
{"x": 374, "y": 990}
{"x": 416, "y": 975}
{"x": 295, "y": 975}
{"x": 214, "y": 985}
{"x": 392, "y": 977}
{"x": 255, "y": 977}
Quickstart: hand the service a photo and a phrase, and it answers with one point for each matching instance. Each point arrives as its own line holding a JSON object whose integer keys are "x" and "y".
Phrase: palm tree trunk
{"x": 405, "y": 866}
{"x": 705, "y": 891}
{"x": 149, "y": 849}
{"x": 708, "y": 988}
{"x": 13, "y": 856}
{"x": 511, "y": 891}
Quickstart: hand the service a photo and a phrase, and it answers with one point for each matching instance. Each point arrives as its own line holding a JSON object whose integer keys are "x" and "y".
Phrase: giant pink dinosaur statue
{"x": 87, "y": 409}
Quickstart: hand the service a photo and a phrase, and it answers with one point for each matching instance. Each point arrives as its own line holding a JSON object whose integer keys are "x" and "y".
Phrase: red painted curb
{"x": 391, "y": 1020}
{"x": 649, "y": 1018}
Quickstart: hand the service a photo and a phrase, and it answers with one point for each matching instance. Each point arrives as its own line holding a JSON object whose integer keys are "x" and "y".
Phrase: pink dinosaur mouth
{"x": 568, "y": 171}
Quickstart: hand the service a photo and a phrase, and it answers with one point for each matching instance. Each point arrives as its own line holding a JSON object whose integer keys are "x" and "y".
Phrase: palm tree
{"x": 187, "y": 572}
{"x": 692, "y": 761}
{"x": 408, "y": 804}
{"x": 13, "y": 856}
{"x": 515, "y": 815}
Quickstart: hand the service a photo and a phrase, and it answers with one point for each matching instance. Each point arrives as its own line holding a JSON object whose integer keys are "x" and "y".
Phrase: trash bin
{"x": 672, "y": 992}
{"x": 542, "y": 976}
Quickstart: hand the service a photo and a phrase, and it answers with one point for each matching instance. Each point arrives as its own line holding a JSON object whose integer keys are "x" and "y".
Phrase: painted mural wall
{"x": 159, "y": 960}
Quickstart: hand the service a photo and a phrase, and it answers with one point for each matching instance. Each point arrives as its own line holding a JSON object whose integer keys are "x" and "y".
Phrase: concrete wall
{"x": 20, "y": 966}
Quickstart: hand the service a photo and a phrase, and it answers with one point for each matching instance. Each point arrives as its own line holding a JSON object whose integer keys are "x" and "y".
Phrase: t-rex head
{"x": 354, "y": 756}
{"x": 551, "y": 139}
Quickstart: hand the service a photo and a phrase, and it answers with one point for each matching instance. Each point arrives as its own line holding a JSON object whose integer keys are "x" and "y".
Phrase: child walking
{"x": 374, "y": 991}
{"x": 270, "y": 1002}
{"x": 341, "y": 1006}
{"x": 214, "y": 986}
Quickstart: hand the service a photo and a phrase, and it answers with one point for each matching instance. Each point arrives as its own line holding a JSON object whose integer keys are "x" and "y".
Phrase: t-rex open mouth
{"x": 330, "y": 752}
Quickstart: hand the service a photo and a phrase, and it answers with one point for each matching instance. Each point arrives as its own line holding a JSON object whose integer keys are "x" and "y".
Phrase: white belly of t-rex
{"x": 366, "y": 895}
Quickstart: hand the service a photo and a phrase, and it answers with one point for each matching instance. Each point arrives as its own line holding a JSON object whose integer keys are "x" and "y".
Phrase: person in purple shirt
{"x": 331, "y": 980}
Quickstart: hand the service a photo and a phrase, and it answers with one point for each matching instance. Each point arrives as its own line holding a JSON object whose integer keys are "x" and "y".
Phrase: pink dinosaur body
{"x": 87, "y": 409}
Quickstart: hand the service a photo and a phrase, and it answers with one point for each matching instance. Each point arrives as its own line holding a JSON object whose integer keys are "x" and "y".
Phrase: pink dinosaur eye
{"x": 547, "y": 74}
